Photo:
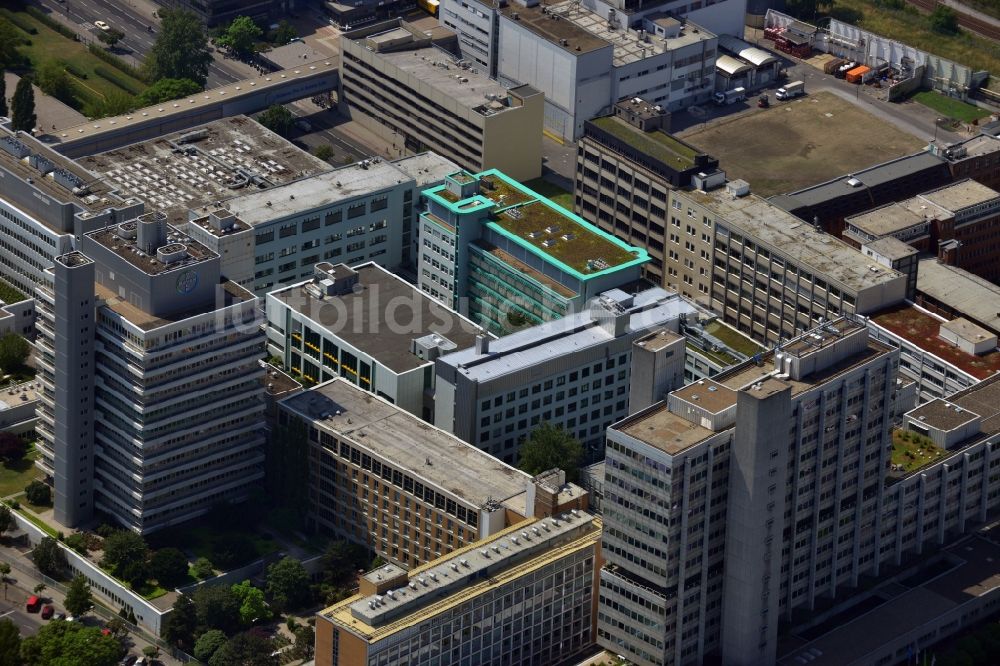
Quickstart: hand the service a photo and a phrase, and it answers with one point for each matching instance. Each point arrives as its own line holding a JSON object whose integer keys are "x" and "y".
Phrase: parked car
{"x": 59, "y": 616}
{"x": 129, "y": 660}
{"x": 33, "y": 604}
{"x": 102, "y": 25}
{"x": 48, "y": 611}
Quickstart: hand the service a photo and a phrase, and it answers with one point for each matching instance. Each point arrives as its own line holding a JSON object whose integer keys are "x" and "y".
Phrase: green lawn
{"x": 991, "y": 7}
{"x": 552, "y": 192}
{"x": 913, "y": 452}
{"x": 28, "y": 511}
{"x": 950, "y": 108}
{"x": 50, "y": 45}
{"x": 911, "y": 27}
{"x": 15, "y": 476}
{"x": 149, "y": 591}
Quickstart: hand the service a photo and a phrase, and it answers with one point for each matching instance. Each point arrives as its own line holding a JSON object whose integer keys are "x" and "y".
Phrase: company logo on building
{"x": 187, "y": 281}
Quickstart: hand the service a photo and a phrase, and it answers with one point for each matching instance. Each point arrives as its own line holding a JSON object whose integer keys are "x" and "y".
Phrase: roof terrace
{"x": 657, "y": 144}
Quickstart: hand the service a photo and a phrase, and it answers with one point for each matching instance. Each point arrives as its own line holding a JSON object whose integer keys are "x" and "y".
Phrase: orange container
{"x": 857, "y": 74}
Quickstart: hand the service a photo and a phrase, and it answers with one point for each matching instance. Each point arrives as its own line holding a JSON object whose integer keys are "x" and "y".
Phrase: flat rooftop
{"x": 426, "y": 168}
{"x": 662, "y": 429}
{"x": 487, "y": 565}
{"x": 891, "y": 247}
{"x": 942, "y": 414}
{"x": 231, "y": 294}
{"x": 20, "y": 394}
{"x": 438, "y": 69}
{"x": 184, "y": 250}
{"x": 294, "y": 54}
{"x": 529, "y": 348}
{"x": 19, "y": 153}
{"x": 960, "y": 195}
{"x": 209, "y": 168}
{"x": 707, "y": 394}
{"x": 963, "y": 292}
{"x": 317, "y": 191}
{"x": 982, "y": 399}
{"x": 977, "y": 146}
{"x": 587, "y": 30}
{"x": 797, "y": 241}
{"x": 896, "y": 217}
{"x": 408, "y": 442}
{"x": 973, "y": 574}
{"x": 657, "y": 144}
{"x": 371, "y": 332}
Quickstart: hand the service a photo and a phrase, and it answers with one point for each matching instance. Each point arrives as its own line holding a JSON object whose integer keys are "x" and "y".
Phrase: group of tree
{"x": 278, "y": 119}
{"x": 165, "y": 90}
{"x": 943, "y": 20}
{"x": 38, "y": 493}
{"x": 241, "y": 36}
{"x": 67, "y": 643}
{"x": 12, "y": 448}
{"x": 548, "y": 447}
{"x": 14, "y": 349}
{"x": 978, "y": 646}
{"x": 181, "y": 48}
{"x": 7, "y": 522}
{"x": 49, "y": 558}
{"x": 127, "y": 556}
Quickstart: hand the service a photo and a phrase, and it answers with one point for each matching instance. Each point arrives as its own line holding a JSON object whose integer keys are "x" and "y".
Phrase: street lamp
{"x": 937, "y": 123}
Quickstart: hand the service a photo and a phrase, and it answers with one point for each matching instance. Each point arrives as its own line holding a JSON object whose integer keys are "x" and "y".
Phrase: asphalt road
{"x": 138, "y": 40}
{"x": 27, "y": 623}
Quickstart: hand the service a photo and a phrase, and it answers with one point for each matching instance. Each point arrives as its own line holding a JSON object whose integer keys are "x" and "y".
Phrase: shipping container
{"x": 857, "y": 74}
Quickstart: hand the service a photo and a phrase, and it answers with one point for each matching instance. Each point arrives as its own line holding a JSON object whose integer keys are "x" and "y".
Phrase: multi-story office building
{"x": 584, "y": 62}
{"x": 45, "y": 200}
{"x": 769, "y": 274}
{"x": 740, "y": 498}
{"x": 974, "y": 158}
{"x": 942, "y": 356}
{"x": 356, "y": 214}
{"x": 411, "y": 492}
{"x": 573, "y": 372}
{"x": 152, "y": 402}
{"x": 507, "y": 256}
{"x": 959, "y": 223}
{"x": 401, "y": 85}
{"x": 368, "y": 326}
{"x": 523, "y": 596}
{"x": 626, "y": 163}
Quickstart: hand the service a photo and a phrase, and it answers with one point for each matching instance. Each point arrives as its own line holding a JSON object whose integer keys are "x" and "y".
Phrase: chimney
{"x": 482, "y": 344}
{"x": 151, "y": 232}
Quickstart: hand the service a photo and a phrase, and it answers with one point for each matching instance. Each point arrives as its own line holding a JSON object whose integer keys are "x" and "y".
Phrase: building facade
{"x": 368, "y": 327}
{"x": 524, "y": 596}
{"x": 382, "y": 478}
{"x": 626, "y": 164}
{"x": 400, "y": 85}
{"x": 508, "y": 257}
{"x": 574, "y": 373}
{"x": 152, "y": 400}
{"x": 769, "y": 274}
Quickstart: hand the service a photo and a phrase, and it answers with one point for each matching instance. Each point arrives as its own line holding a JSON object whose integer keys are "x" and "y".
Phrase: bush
{"x": 202, "y": 568}
{"x": 117, "y": 63}
{"x": 118, "y": 80}
{"x": 169, "y": 567}
{"x": 75, "y": 70}
{"x": 12, "y": 447}
{"x": 232, "y": 550}
{"x": 38, "y": 493}
{"x": 41, "y": 16}
{"x": 20, "y": 22}
{"x": 78, "y": 542}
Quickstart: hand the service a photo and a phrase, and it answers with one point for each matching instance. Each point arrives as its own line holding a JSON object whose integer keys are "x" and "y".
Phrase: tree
{"x": 181, "y": 48}
{"x": 340, "y": 562}
{"x": 117, "y": 627}
{"x": 151, "y": 652}
{"x": 10, "y": 643}
{"x": 252, "y": 604}
{"x": 202, "y": 568}
{"x": 284, "y": 33}
{"x": 9, "y": 41}
{"x": 70, "y": 644}
{"x": 550, "y": 446}
{"x": 246, "y": 649}
{"x": 12, "y": 447}
{"x": 232, "y": 549}
{"x": 78, "y": 597}
{"x": 241, "y": 36}
{"x": 125, "y": 554}
{"x": 323, "y": 151}
{"x": 208, "y": 644}
{"x": 182, "y": 623}
{"x": 943, "y": 20}
{"x": 305, "y": 638}
{"x": 78, "y": 542}
{"x": 217, "y": 608}
{"x": 3, "y": 89}
{"x": 38, "y": 493}
{"x": 278, "y": 119}
{"x": 4, "y": 571}
{"x": 22, "y": 111}
{"x": 49, "y": 557}
{"x": 287, "y": 584}
{"x": 54, "y": 81}
{"x": 7, "y": 522}
{"x": 13, "y": 348}
{"x": 168, "y": 566}
{"x": 38, "y": 589}
{"x": 167, "y": 89}
{"x": 111, "y": 37}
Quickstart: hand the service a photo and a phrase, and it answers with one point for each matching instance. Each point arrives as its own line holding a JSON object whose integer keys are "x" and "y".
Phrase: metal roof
{"x": 731, "y": 65}
{"x": 753, "y": 55}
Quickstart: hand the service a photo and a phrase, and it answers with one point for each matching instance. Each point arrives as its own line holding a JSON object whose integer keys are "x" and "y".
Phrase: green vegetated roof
{"x": 915, "y": 451}
{"x": 732, "y": 339}
{"x": 657, "y": 144}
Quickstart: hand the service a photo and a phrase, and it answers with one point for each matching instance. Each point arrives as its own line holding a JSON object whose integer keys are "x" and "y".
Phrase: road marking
{"x": 7, "y": 613}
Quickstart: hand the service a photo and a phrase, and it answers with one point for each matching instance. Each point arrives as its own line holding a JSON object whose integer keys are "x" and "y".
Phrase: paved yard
{"x": 802, "y": 142}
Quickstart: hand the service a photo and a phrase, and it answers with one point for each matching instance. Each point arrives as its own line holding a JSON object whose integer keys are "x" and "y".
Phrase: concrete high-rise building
{"x": 525, "y": 595}
{"x": 497, "y": 250}
{"x": 152, "y": 402}
{"x": 742, "y": 497}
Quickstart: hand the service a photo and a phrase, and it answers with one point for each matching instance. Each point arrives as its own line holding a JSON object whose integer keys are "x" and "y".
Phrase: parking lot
{"x": 802, "y": 142}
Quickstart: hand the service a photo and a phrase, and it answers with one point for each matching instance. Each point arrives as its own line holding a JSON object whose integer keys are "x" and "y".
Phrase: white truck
{"x": 791, "y": 90}
{"x": 730, "y": 96}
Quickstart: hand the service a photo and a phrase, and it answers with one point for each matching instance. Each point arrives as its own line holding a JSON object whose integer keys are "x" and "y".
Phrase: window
{"x": 333, "y": 217}
{"x": 265, "y": 237}
{"x": 356, "y": 210}
{"x": 380, "y": 203}
{"x": 288, "y": 230}
{"x": 310, "y": 224}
